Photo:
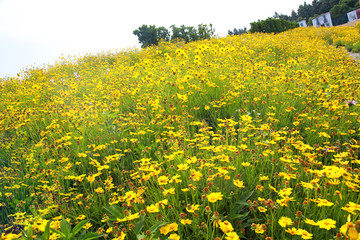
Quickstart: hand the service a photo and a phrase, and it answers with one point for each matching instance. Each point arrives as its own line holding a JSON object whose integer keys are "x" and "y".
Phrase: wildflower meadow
{"x": 254, "y": 136}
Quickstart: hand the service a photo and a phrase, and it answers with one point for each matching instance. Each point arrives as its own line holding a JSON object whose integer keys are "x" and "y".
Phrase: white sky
{"x": 37, "y": 32}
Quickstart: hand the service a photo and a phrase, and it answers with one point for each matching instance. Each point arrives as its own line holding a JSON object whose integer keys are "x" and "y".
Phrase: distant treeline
{"x": 307, "y": 12}
{"x": 151, "y": 35}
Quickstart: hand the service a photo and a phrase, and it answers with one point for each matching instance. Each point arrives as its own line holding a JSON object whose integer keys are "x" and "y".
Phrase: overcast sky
{"x": 37, "y": 32}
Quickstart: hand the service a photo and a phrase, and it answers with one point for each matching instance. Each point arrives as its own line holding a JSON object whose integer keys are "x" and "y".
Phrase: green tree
{"x": 205, "y": 32}
{"x": 272, "y": 25}
{"x": 151, "y": 35}
{"x": 237, "y": 31}
{"x": 339, "y": 9}
{"x": 189, "y": 33}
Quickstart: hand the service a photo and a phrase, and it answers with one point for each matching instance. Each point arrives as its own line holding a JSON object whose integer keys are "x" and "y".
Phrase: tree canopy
{"x": 151, "y": 35}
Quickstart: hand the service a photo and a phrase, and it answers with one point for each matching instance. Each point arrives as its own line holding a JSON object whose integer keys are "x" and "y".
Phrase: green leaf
{"x": 65, "y": 226}
{"x": 139, "y": 225}
{"x": 46, "y": 233}
{"x": 69, "y": 236}
{"x": 238, "y": 216}
{"x": 114, "y": 211}
{"x": 29, "y": 233}
{"x": 243, "y": 199}
{"x": 79, "y": 226}
{"x": 58, "y": 232}
{"x": 91, "y": 235}
{"x": 156, "y": 226}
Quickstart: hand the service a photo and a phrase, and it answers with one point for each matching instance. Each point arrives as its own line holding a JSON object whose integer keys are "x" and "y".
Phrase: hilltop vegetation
{"x": 250, "y": 136}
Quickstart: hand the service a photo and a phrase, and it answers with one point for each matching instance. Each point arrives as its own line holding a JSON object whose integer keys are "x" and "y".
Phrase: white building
{"x": 323, "y": 20}
{"x": 302, "y": 23}
{"x": 353, "y": 15}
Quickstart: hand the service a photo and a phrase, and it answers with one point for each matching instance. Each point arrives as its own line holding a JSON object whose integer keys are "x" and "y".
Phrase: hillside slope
{"x": 247, "y": 136}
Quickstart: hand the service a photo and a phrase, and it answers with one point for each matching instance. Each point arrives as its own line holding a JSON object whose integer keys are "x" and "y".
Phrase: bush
{"x": 272, "y": 25}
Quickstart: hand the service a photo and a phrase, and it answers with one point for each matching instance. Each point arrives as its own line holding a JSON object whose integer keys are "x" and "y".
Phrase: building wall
{"x": 302, "y": 23}
{"x": 324, "y": 20}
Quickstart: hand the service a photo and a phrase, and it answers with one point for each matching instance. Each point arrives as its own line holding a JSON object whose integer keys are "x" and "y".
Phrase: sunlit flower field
{"x": 246, "y": 137}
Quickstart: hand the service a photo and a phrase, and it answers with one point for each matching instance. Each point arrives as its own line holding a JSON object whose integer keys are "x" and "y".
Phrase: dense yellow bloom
{"x": 129, "y": 129}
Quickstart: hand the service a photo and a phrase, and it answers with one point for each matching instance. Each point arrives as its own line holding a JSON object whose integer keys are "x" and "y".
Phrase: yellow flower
{"x": 259, "y": 228}
{"x": 133, "y": 216}
{"x": 174, "y": 236}
{"x": 99, "y": 190}
{"x": 81, "y": 217}
{"x": 285, "y": 221}
{"x": 232, "y": 236}
{"x": 262, "y": 209}
{"x": 285, "y": 192}
{"x": 90, "y": 178}
{"x": 163, "y": 180}
{"x": 327, "y": 223}
{"x": 121, "y": 237}
{"x": 324, "y": 202}
{"x": 349, "y": 230}
{"x": 292, "y": 231}
{"x": 304, "y": 234}
{"x": 226, "y": 226}
{"x": 192, "y": 208}
{"x": 168, "y": 228}
{"x": 185, "y": 221}
{"x": 182, "y": 167}
{"x": 214, "y": 197}
{"x": 245, "y": 164}
{"x": 238, "y": 183}
{"x": 10, "y": 236}
{"x": 87, "y": 225}
{"x": 152, "y": 208}
{"x": 169, "y": 191}
{"x": 83, "y": 155}
{"x": 263, "y": 178}
{"x": 311, "y": 222}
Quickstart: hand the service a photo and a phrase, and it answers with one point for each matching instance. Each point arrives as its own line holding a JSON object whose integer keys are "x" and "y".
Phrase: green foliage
{"x": 272, "y": 25}
{"x": 188, "y": 34}
{"x": 307, "y": 11}
{"x": 237, "y": 31}
{"x": 151, "y": 35}
{"x": 339, "y": 9}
